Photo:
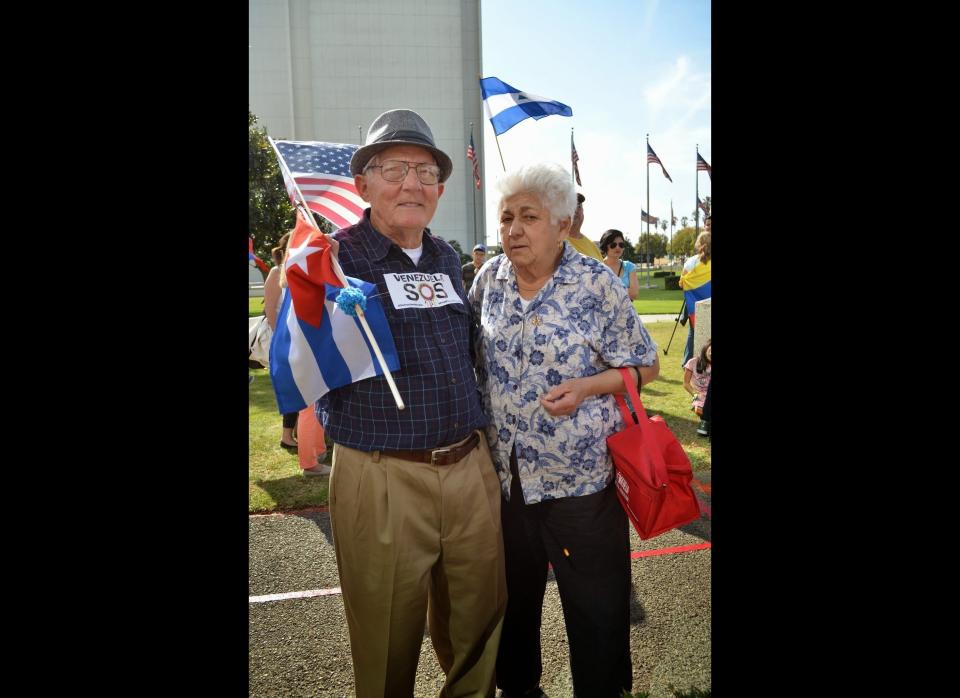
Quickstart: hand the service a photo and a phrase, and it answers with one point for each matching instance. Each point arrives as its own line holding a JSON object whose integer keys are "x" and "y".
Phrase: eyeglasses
{"x": 396, "y": 171}
{"x": 618, "y": 244}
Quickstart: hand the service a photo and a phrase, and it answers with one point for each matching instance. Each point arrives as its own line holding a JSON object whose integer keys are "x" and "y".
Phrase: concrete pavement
{"x": 299, "y": 644}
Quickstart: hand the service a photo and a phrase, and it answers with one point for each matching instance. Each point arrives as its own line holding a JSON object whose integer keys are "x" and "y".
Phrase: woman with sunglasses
{"x": 612, "y": 245}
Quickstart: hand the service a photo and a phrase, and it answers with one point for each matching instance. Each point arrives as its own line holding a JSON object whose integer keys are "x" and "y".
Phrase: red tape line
{"x": 668, "y": 551}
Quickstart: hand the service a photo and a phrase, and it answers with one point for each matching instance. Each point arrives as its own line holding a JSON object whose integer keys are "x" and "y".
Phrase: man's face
{"x": 478, "y": 257}
{"x": 399, "y": 207}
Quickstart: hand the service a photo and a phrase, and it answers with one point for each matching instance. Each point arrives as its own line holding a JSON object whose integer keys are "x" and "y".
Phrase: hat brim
{"x": 363, "y": 155}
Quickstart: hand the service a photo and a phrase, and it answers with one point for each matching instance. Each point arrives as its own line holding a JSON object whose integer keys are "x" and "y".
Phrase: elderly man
{"x": 581, "y": 242}
{"x": 470, "y": 269}
{"x": 414, "y": 497}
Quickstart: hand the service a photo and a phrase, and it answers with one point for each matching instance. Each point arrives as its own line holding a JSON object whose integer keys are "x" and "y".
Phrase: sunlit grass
{"x": 276, "y": 482}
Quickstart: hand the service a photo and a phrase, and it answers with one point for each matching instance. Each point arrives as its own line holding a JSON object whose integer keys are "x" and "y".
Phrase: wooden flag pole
{"x": 343, "y": 279}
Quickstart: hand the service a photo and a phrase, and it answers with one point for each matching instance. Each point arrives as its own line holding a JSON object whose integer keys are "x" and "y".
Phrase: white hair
{"x": 549, "y": 181}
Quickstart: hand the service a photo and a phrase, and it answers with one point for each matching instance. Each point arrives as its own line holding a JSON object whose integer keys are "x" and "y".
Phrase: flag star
{"x": 297, "y": 256}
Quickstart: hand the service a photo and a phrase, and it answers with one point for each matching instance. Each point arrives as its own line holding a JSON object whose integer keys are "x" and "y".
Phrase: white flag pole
{"x": 343, "y": 279}
{"x": 486, "y": 111}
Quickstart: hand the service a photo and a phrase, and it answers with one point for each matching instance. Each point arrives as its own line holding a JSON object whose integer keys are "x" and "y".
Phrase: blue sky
{"x": 626, "y": 68}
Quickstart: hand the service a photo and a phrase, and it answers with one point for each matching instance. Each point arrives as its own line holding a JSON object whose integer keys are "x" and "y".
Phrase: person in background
{"x": 696, "y": 381}
{"x": 612, "y": 245}
{"x": 470, "y": 269}
{"x": 703, "y": 248}
{"x": 272, "y": 298}
{"x": 414, "y": 497}
{"x": 581, "y": 242}
{"x": 705, "y": 428}
{"x": 553, "y": 328}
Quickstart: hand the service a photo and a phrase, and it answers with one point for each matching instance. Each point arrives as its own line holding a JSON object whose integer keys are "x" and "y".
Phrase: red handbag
{"x": 653, "y": 473}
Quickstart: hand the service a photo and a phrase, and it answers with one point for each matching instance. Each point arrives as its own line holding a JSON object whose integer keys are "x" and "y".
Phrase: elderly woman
{"x": 612, "y": 244}
{"x": 553, "y": 329}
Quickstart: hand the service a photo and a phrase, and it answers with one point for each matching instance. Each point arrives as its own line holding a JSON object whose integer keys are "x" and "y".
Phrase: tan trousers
{"x": 405, "y": 532}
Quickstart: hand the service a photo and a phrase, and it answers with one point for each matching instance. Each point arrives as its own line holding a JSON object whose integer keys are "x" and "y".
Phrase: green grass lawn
{"x": 275, "y": 479}
{"x": 656, "y": 301}
{"x": 276, "y": 482}
{"x": 256, "y": 306}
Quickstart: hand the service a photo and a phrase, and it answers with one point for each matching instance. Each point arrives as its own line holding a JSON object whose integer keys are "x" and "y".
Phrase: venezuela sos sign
{"x": 418, "y": 290}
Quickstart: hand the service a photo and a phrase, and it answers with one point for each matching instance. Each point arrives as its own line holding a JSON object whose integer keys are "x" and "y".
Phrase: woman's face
{"x": 615, "y": 248}
{"x": 530, "y": 241}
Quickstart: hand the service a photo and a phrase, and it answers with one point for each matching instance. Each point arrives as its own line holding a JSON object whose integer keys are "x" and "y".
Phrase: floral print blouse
{"x": 580, "y": 323}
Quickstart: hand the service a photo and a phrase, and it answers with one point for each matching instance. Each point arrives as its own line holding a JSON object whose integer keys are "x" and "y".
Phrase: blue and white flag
{"x": 507, "y": 106}
{"x": 317, "y": 346}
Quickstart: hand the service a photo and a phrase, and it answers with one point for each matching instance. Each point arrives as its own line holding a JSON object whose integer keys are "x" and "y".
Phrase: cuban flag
{"x": 252, "y": 257}
{"x": 507, "y": 106}
{"x": 316, "y": 346}
{"x": 696, "y": 287}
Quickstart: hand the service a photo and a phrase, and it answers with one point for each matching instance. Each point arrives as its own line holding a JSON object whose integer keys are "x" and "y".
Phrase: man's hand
{"x": 564, "y": 399}
{"x": 334, "y": 245}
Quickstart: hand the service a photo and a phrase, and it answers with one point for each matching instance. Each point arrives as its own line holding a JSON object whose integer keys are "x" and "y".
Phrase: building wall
{"x": 319, "y": 69}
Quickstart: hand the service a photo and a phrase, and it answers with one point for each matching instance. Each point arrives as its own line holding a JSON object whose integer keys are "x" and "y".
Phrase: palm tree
{"x": 683, "y": 222}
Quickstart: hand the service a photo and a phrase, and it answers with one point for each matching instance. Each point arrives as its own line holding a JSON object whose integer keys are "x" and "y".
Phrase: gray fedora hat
{"x": 399, "y": 127}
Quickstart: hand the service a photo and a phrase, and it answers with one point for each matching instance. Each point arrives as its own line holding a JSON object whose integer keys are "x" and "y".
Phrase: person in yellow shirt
{"x": 581, "y": 242}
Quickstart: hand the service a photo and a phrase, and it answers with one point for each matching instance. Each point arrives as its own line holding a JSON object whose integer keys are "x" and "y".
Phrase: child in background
{"x": 696, "y": 378}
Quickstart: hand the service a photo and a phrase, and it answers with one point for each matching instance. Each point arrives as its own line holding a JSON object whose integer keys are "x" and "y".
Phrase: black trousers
{"x": 594, "y": 586}
{"x": 290, "y": 420}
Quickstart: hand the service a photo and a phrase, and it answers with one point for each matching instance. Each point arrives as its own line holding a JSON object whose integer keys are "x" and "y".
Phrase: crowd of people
{"x": 451, "y": 511}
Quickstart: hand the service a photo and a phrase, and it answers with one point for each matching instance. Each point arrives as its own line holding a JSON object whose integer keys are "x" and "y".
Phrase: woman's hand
{"x": 564, "y": 399}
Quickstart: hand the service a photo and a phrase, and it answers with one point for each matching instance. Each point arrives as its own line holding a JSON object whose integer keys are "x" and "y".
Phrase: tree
{"x": 464, "y": 257}
{"x": 683, "y": 241}
{"x": 683, "y": 222}
{"x": 663, "y": 225}
{"x": 270, "y": 213}
{"x": 698, "y": 212}
{"x": 630, "y": 252}
{"x": 653, "y": 243}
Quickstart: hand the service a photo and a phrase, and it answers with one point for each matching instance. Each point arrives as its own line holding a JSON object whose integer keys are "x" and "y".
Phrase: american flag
{"x": 575, "y": 159}
{"x": 703, "y": 206}
{"x": 673, "y": 218}
{"x": 647, "y": 218}
{"x": 322, "y": 171}
{"x": 472, "y": 157}
{"x": 652, "y": 157}
{"x": 702, "y": 165}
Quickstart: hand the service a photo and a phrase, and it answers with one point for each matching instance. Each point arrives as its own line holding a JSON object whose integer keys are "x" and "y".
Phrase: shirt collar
{"x": 378, "y": 245}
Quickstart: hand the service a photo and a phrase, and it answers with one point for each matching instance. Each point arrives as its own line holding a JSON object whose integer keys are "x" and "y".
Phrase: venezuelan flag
{"x": 696, "y": 287}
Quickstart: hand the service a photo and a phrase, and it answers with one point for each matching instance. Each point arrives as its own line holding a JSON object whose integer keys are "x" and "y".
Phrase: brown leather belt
{"x": 438, "y": 456}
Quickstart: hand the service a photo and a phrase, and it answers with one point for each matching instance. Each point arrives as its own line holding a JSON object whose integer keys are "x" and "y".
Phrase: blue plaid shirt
{"x": 436, "y": 378}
